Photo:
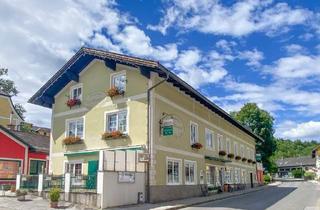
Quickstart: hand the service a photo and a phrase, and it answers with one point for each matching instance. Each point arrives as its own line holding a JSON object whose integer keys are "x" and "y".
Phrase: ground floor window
{"x": 9, "y": 169}
{"x": 37, "y": 167}
{"x": 173, "y": 171}
{"x": 75, "y": 169}
{"x": 237, "y": 175}
{"x": 190, "y": 171}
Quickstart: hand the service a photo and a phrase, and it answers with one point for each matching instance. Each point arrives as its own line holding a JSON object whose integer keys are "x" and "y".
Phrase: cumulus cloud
{"x": 239, "y": 19}
{"x": 305, "y": 130}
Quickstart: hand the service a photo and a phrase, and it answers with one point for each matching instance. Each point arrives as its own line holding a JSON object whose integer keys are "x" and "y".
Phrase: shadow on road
{"x": 252, "y": 201}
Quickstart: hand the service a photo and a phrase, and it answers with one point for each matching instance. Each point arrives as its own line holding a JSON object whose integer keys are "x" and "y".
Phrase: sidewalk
{"x": 178, "y": 204}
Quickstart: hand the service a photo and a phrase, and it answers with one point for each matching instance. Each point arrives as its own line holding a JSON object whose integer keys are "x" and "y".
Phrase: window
{"x": 242, "y": 151}
{"x": 173, "y": 171}
{"x": 119, "y": 81}
{"x": 228, "y": 146}
{"x": 117, "y": 122}
{"x": 193, "y": 132}
{"x": 220, "y": 142}
{"x": 236, "y": 152}
{"x": 75, "y": 169}
{"x": 237, "y": 175}
{"x": 75, "y": 128}
{"x": 76, "y": 92}
{"x": 209, "y": 139}
{"x": 190, "y": 172}
{"x": 37, "y": 167}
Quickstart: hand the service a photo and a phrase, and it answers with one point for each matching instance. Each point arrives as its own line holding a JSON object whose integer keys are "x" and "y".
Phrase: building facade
{"x": 8, "y": 114}
{"x": 286, "y": 165}
{"x": 107, "y": 101}
{"x": 316, "y": 156}
{"x": 22, "y": 153}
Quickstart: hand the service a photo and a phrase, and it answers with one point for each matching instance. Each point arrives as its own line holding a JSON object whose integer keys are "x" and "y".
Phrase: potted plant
{"x": 54, "y": 195}
{"x": 71, "y": 140}
{"x": 244, "y": 159}
{"x": 114, "y": 91}
{"x": 222, "y": 153}
{"x": 112, "y": 135}
{"x": 249, "y": 161}
{"x": 21, "y": 194}
{"x": 254, "y": 162}
{"x": 196, "y": 145}
{"x": 238, "y": 157}
{"x": 71, "y": 102}
{"x": 230, "y": 155}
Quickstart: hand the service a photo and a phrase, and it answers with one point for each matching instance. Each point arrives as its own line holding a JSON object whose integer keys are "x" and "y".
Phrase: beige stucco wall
{"x": 6, "y": 108}
{"x": 95, "y": 104}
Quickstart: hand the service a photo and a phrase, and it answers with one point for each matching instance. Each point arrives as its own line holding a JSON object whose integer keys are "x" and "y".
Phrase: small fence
{"x": 29, "y": 182}
{"x": 83, "y": 183}
{"x": 53, "y": 182}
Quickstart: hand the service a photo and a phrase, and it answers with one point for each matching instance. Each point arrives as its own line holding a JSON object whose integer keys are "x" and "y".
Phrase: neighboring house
{"x": 286, "y": 165}
{"x": 41, "y": 130}
{"x": 191, "y": 140}
{"x": 22, "y": 152}
{"x": 8, "y": 114}
{"x": 316, "y": 156}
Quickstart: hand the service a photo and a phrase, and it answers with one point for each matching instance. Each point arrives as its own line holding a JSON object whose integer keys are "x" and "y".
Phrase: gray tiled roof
{"x": 296, "y": 161}
{"x": 34, "y": 141}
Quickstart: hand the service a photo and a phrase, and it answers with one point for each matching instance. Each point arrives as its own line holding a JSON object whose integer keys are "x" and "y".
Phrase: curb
{"x": 215, "y": 199}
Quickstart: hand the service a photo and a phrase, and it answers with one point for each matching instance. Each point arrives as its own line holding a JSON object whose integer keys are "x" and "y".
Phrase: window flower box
{"x": 222, "y": 153}
{"x": 244, "y": 159}
{"x": 238, "y": 157}
{"x": 249, "y": 161}
{"x": 114, "y": 91}
{"x": 113, "y": 135}
{"x": 196, "y": 145}
{"x": 71, "y": 102}
{"x": 230, "y": 155}
{"x": 254, "y": 162}
{"x": 72, "y": 140}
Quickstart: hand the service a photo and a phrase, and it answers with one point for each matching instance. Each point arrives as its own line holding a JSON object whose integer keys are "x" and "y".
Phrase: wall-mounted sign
{"x": 167, "y": 130}
{"x": 143, "y": 157}
{"x": 258, "y": 157}
{"x": 126, "y": 177}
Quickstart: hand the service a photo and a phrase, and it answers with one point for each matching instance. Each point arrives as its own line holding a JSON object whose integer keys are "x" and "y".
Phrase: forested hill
{"x": 289, "y": 148}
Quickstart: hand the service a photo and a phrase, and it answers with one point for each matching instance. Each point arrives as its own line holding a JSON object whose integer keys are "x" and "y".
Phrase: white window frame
{"x": 179, "y": 161}
{"x": 208, "y": 131}
{"x": 72, "y": 120}
{"x": 228, "y": 145}
{"x": 196, "y": 134}
{"x": 106, "y": 119}
{"x": 187, "y": 182}
{"x": 242, "y": 151}
{"x": 76, "y": 87}
{"x": 112, "y": 75}
{"x": 220, "y": 142}
{"x": 73, "y": 162}
{"x": 236, "y": 148}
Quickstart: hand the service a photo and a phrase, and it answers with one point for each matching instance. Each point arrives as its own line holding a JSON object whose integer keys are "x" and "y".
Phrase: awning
{"x": 81, "y": 153}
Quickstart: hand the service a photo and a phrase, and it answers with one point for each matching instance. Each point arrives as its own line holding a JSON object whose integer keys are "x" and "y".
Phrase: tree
{"x": 8, "y": 87}
{"x": 261, "y": 123}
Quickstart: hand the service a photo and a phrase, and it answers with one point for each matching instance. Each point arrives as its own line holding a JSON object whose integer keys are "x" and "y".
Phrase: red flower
{"x": 196, "y": 145}
{"x": 73, "y": 101}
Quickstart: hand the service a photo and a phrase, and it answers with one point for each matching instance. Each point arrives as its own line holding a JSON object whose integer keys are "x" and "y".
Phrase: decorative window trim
{"x": 74, "y": 119}
{"x": 180, "y": 170}
{"x": 116, "y": 112}
{"x": 196, "y": 134}
{"x": 228, "y": 146}
{"x": 207, "y": 130}
{"x": 220, "y": 142}
{"x": 76, "y": 86}
{"x": 72, "y": 162}
{"x": 194, "y": 171}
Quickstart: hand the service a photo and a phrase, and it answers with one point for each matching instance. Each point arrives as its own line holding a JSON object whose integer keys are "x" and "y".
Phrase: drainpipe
{"x": 149, "y": 134}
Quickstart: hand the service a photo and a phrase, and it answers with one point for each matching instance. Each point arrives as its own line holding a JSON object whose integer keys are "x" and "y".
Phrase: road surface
{"x": 286, "y": 196}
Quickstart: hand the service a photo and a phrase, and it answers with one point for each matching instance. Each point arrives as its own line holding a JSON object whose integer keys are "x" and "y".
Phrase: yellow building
{"x": 107, "y": 101}
{"x": 8, "y": 114}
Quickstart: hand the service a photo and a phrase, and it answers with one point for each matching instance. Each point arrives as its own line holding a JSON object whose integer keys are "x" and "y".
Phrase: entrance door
{"x": 92, "y": 174}
{"x": 251, "y": 180}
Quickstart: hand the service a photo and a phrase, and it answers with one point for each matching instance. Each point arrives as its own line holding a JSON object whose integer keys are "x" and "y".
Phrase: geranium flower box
{"x": 114, "y": 91}
{"x": 196, "y": 145}
{"x": 113, "y": 135}
{"x": 72, "y": 140}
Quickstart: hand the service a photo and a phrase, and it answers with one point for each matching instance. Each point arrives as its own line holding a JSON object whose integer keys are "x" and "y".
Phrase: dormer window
{"x": 118, "y": 81}
{"x": 76, "y": 92}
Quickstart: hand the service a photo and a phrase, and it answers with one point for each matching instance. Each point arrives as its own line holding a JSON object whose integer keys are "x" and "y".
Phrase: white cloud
{"x": 305, "y": 131}
{"x": 293, "y": 49}
{"x": 253, "y": 57}
{"x": 240, "y": 19}
{"x": 198, "y": 69}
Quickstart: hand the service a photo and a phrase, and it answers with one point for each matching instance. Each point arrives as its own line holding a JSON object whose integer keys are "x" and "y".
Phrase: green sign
{"x": 258, "y": 157}
{"x": 167, "y": 130}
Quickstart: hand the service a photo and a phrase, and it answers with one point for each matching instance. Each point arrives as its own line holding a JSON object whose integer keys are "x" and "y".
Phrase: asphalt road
{"x": 286, "y": 196}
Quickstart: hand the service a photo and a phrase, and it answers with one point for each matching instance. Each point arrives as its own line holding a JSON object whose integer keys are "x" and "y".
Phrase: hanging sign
{"x": 258, "y": 157}
{"x": 166, "y": 125}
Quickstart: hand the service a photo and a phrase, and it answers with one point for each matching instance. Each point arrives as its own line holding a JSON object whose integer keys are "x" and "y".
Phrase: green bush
{"x": 21, "y": 192}
{"x": 54, "y": 194}
{"x": 297, "y": 173}
{"x": 266, "y": 178}
{"x": 309, "y": 175}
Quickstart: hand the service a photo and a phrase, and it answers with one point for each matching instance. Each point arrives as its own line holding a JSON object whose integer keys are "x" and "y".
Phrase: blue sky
{"x": 233, "y": 52}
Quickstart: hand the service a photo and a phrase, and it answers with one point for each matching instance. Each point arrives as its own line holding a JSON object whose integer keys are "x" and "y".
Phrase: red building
{"x": 22, "y": 152}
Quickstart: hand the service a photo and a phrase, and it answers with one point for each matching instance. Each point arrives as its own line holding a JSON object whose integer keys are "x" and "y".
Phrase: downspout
{"x": 149, "y": 134}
